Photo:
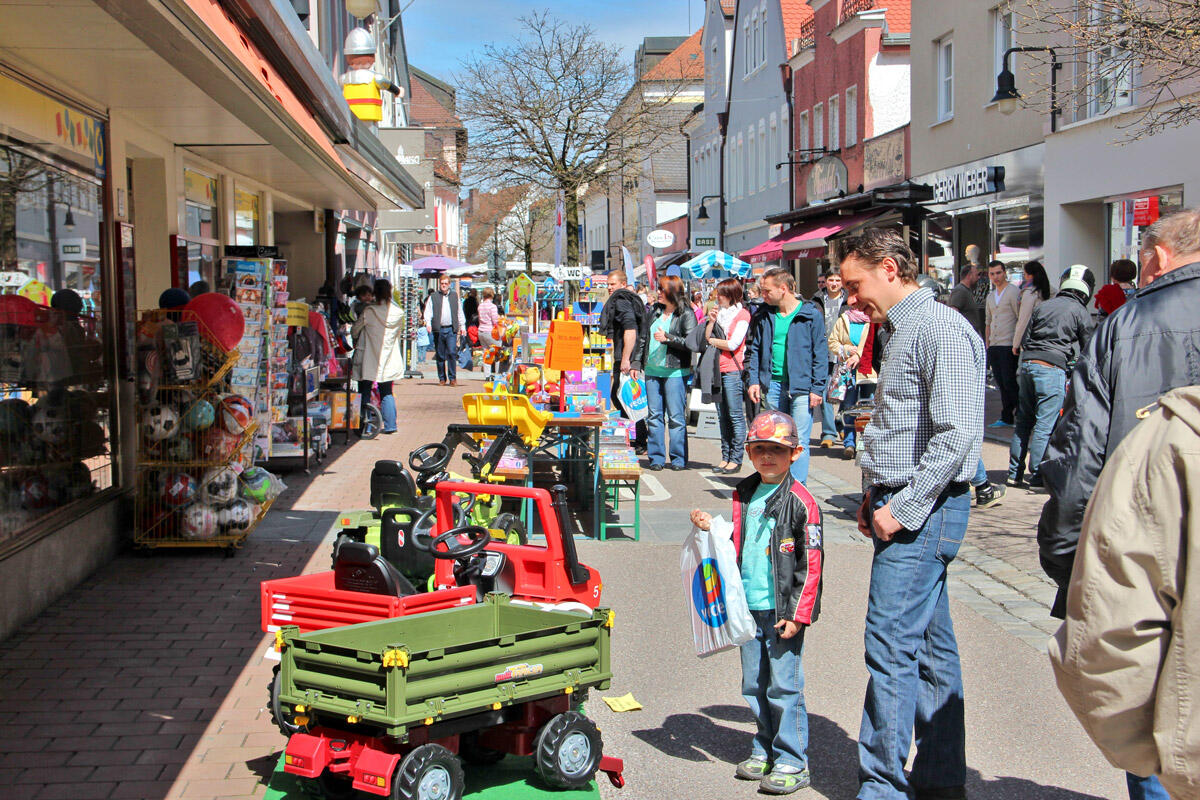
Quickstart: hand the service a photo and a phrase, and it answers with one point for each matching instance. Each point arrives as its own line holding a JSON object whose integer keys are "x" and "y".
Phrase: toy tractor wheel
{"x": 512, "y": 528}
{"x": 283, "y": 718}
{"x": 430, "y": 772}
{"x": 567, "y": 752}
{"x": 474, "y": 753}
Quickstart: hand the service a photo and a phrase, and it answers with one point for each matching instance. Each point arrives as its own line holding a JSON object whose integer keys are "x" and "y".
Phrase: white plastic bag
{"x": 631, "y": 395}
{"x": 712, "y": 582}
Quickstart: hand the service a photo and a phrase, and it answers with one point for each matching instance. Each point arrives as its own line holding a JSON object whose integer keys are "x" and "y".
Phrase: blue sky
{"x": 439, "y": 33}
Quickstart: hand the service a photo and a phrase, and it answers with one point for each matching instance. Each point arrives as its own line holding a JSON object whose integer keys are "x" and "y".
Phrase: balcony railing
{"x": 852, "y": 7}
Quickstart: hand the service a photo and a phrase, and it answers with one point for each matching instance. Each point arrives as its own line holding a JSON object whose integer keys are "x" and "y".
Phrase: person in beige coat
{"x": 377, "y": 356}
{"x": 846, "y": 341}
{"x": 1127, "y": 657}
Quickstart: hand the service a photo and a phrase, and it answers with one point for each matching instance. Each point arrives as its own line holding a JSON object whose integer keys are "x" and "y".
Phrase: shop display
{"x": 196, "y": 484}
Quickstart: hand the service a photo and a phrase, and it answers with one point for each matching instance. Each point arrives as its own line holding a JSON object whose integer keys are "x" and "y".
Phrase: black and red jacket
{"x": 797, "y": 546}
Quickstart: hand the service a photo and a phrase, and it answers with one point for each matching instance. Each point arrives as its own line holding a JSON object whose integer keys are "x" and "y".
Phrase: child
{"x": 778, "y": 537}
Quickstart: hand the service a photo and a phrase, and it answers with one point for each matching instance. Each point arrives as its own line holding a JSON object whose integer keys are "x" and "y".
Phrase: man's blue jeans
{"x": 1041, "y": 390}
{"x": 446, "y": 342}
{"x": 667, "y": 395}
{"x": 773, "y": 685}
{"x": 799, "y": 411}
{"x": 731, "y": 413}
{"x": 1145, "y": 788}
{"x": 915, "y": 684}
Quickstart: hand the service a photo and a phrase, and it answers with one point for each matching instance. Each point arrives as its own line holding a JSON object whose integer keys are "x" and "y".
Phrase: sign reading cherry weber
{"x": 564, "y": 346}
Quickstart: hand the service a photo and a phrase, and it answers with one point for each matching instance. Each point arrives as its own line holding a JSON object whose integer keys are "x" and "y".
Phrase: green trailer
{"x": 387, "y": 707}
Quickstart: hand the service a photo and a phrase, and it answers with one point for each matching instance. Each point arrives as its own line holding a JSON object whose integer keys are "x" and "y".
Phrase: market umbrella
{"x": 711, "y": 261}
{"x": 430, "y": 264}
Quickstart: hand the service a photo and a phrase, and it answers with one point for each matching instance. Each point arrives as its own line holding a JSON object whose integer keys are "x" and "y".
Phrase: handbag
{"x": 712, "y": 582}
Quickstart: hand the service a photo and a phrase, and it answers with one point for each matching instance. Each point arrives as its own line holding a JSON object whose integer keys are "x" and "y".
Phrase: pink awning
{"x": 808, "y": 240}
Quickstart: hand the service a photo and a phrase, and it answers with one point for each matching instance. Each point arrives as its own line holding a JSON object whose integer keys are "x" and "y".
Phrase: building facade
{"x": 705, "y": 130}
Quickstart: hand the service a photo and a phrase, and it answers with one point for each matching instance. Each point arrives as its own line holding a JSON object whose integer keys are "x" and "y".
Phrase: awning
{"x": 808, "y": 240}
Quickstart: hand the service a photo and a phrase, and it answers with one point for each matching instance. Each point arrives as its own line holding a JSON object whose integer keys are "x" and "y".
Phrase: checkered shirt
{"x": 927, "y": 426}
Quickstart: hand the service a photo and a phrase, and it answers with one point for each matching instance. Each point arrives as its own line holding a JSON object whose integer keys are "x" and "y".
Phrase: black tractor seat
{"x": 360, "y": 568}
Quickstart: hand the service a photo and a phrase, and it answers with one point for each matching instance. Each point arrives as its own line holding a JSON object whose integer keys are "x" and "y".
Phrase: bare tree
{"x": 1143, "y": 55}
{"x": 543, "y": 110}
{"x": 529, "y": 226}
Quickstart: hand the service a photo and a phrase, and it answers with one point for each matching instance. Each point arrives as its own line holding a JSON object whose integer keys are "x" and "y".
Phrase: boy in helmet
{"x": 1054, "y": 337}
{"x": 779, "y": 541}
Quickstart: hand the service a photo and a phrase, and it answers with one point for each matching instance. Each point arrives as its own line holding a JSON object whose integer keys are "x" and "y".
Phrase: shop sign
{"x": 883, "y": 160}
{"x": 251, "y": 251}
{"x": 774, "y": 230}
{"x": 1145, "y": 211}
{"x": 826, "y": 179}
{"x": 74, "y": 249}
{"x": 706, "y": 241}
{"x": 660, "y": 238}
{"x": 962, "y": 183}
{"x": 49, "y": 122}
{"x": 567, "y": 273}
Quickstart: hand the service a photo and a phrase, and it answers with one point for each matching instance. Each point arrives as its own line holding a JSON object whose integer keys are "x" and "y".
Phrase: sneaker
{"x": 848, "y": 452}
{"x": 1016, "y": 483}
{"x": 783, "y": 780}
{"x": 654, "y": 467}
{"x": 826, "y": 443}
{"x": 988, "y": 495}
{"x": 752, "y": 769}
{"x": 1000, "y": 424}
{"x": 677, "y": 467}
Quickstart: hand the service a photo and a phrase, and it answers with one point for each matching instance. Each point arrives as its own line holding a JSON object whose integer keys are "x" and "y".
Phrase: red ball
{"x": 221, "y": 316}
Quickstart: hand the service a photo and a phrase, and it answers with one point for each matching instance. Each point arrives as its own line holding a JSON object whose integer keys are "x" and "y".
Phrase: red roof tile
{"x": 427, "y": 112}
{"x": 795, "y": 14}
{"x": 685, "y": 62}
{"x": 899, "y": 16}
{"x": 729, "y": 7}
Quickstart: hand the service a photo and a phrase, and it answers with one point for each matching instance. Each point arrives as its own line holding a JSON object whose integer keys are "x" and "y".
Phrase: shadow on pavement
{"x": 694, "y": 737}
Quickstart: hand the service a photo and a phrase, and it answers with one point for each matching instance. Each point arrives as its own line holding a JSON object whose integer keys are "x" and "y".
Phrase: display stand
{"x": 303, "y": 440}
{"x": 339, "y": 394}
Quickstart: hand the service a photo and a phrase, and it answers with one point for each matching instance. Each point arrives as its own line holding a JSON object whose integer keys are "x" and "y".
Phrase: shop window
{"x": 55, "y": 399}
{"x": 1128, "y": 220}
{"x": 201, "y": 229}
{"x": 938, "y": 236}
{"x": 1017, "y": 235}
{"x": 246, "y": 217}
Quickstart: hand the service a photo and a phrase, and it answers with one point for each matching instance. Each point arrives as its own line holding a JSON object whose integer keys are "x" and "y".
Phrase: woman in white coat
{"x": 377, "y": 357}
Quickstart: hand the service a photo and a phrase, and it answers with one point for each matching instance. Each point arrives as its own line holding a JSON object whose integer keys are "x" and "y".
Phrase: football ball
{"x": 160, "y": 422}
{"x": 50, "y": 422}
{"x": 218, "y": 486}
{"x": 35, "y": 492}
{"x": 199, "y": 416}
{"x": 199, "y": 521}
{"x": 218, "y": 445}
{"x": 256, "y": 485}
{"x": 236, "y": 517}
{"x": 236, "y": 413}
{"x": 179, "y": 489}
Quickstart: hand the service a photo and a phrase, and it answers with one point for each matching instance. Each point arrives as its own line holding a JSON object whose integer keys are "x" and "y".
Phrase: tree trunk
{"x": 571, "y": 202}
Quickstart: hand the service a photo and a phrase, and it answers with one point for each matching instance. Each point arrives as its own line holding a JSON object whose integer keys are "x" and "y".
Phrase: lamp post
{"x": 1006, "y": 84}
{"x": 703, "y": 212}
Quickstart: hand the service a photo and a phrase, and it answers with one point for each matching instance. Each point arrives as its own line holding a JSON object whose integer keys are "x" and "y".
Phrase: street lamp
{"x": 361, "y": 9}
{"x": 69, "y": 220}
{"x": 703, "y": 212}
{"x": 1006, "y": 84}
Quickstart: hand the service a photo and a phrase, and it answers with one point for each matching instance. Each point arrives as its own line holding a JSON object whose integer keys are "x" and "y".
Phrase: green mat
{"x": 511, "y": 779}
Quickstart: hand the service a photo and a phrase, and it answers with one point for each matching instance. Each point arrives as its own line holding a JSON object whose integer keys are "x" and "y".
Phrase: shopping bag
{"x": 712, "y": 582}
{"x": 631, "y": 395}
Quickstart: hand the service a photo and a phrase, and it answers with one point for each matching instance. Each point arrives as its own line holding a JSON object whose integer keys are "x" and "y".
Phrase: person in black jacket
{"x": 663, "y": 354}
{"x": 1143, "y": 350}
{"x": 1055, "y": 335}
{"x": 621, "y": 321}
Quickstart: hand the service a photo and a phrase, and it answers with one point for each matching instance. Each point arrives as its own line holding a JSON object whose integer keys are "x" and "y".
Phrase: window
{"x": 818, "y": 126}
{"x": 757, "y": 33}
{"x": 1110, "y": 69}
{"x": 762, "y": 37}
{"x": 246, "y": 217}
{"x": 852, "y": 116}
{"x": 201, "y": 228}
{"x": 804, "y": 140}
{"x": 835, "y": 123}
{"x": 764, "y": 155}
{"x": 1002, "y": 36}
{"x": 751, "y": 162}
{"x": 774, "y": 150}
{"x": 785, "y": 135}
{"x": 747, "y": 48}
{"x": 944, "y": 48}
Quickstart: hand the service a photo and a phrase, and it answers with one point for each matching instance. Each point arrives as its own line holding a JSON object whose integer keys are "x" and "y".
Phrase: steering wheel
{"x": 464, "y": 505}
{"x": 422, "y": 529}
{"x": 429, "y": 457}
{"x": 478, "y": 535}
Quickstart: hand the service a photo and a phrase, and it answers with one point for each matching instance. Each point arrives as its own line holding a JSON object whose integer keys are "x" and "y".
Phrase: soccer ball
{"x": 179, "y": 489}
{"x": 199, "y": 416}
{"x": 50, "y": 422}
{"x": 256, "y": 485}
{"x": 219, "y": 445}
{"x": 218, "y": 486}
{"x": 160, "y": 422}
{"x": 199, "y": 521}
{"x": 35, "y": 492}
{"x": 181, "y": 449}
{"x": 236, "y": 413}
{"x": 237, "y": 516}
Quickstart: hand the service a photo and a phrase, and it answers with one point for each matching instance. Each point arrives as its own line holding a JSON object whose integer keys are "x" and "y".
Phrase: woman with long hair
{"x": 728, "y": 324}
{"x": 377, "y": 358}
{"x": 662, "y": 353}
{"x": 1034, "y": 289}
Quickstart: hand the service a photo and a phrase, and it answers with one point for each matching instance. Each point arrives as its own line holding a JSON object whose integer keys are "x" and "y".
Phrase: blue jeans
{"x": 731, "y": 413}
{"x": 1145, "y": 788}
{"x": 799, "y": 411}
{"x": 847, "y": 418}
{"x": 446, "y": 343}
{"x": 1041, "y": 390}
{"x": 669, "y": 395}
{"x": 773, "y": 685}
{"x": 387, "y": 403}
{"x": 981, "y": 476}
{"x": 915, "y": 684}
{"x": 828, "y": 418}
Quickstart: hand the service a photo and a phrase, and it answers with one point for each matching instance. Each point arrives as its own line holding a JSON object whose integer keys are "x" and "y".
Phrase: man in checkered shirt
{"x": 922, "y": 448}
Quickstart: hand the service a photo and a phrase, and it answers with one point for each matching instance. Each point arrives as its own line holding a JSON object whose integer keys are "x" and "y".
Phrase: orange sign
{"x": 564, "y": 346}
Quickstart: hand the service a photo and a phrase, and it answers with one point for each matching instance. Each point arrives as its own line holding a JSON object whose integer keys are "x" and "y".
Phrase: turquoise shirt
{"x": 656, "y": 352}
{"x": 779, "y": 343}
{"x": 758, "y": 577}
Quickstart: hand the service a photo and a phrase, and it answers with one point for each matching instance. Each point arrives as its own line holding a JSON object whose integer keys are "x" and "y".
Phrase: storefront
{"x": 995, "y": 204}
